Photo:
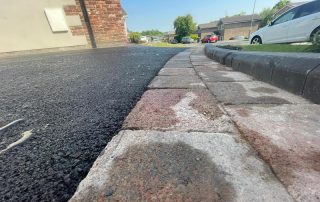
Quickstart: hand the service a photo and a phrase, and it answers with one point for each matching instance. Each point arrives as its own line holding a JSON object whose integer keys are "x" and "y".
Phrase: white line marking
{"x": 26, "y": 135}
{"x": 10, "y": 124}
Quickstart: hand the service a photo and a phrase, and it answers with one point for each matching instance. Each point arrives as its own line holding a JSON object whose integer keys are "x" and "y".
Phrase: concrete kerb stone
{"x": 290, "y": 71}
{"x": 257, "y": 65}
{"x": 217, "y": 54}
{"x": 285, "y": 70}
{"x": 312, "y": 87}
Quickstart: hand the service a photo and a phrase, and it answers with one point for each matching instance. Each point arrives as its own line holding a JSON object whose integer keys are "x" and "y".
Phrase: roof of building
{"x": 209, "y": 25}
{"x": 240, "y": 19}
{"x": 169, "y": 33}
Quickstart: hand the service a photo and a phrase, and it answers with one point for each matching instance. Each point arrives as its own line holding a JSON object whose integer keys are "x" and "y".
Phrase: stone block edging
{"x": 298, "y": 73}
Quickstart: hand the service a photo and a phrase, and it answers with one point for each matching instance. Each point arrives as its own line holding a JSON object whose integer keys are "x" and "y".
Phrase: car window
{"x": 286, "y": 17}
{"x": 308, "y": 9}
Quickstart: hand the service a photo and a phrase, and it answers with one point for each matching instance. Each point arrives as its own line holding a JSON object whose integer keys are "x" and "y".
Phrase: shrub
{"x": 178, "y": 38}
{"x": 135, "y": 37}
{"x": 194, "y": 37}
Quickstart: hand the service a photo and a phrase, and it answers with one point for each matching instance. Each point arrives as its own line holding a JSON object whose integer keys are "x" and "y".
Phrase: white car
{"x": 299, "y": 24}
{"x": 144, "y": 39}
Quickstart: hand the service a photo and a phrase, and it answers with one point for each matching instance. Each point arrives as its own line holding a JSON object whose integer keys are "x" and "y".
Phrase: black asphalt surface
{"x": 74, "y": 102}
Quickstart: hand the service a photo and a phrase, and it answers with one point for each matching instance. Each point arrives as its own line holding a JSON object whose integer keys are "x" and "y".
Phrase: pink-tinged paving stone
{"x": 288, "y": 138}
{"x": 178, "y": 109}
{"x": 174, "y": 82}
{"x": 209, "y": 70}
{"x": 212, "y": 75}
{"x": 177, "y": 72}
{"x": 199, "y": 63}
{"x": 253, "y": 92}
{"x": 179, "y": 166}
{"x": 178, "y": 65}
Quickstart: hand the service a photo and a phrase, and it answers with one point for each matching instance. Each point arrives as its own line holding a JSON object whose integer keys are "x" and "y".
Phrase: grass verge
{"x": 279, "y": 48}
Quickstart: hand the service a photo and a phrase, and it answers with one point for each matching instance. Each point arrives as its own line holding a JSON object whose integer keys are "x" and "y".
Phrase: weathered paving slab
{"x": 199, "y": 63}
{"x": 180, "y": 59}
{"x": 200, "y": 58}
{"x": 254, "y": 92}
{"x": 210, "y": 69}
{"x": 177, "y": 72}
{"x": 288, "y": 138}
{"x": 179, "y": 166}
{"x": 223, "y": 76}
{"x": 178, "y": 65}
{"x": 179, "y": 110}
{"x": 192, "y": 82}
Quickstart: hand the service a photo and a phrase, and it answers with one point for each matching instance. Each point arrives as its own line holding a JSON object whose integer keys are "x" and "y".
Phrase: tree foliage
{"x": 153, "y": 32}
{"x": 239, "y": 14}
{"x": 184, "y": 26}
{"x": 267, "y": 14}
{"x": 135, "y": 37}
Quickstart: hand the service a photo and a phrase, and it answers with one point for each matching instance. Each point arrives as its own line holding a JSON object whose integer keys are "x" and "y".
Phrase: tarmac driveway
{"x": 67, "y": 107}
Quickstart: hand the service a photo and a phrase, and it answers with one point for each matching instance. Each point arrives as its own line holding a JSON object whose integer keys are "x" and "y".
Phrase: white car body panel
{"x": 296, "y": 30}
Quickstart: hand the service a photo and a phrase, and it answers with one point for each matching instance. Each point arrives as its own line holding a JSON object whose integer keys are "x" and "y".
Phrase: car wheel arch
{"x": 256, "y": 36}
{"x": 313, "y": 32}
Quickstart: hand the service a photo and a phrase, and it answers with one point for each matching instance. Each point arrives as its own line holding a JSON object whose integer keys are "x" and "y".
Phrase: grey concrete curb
{"x": 298, "y": 73}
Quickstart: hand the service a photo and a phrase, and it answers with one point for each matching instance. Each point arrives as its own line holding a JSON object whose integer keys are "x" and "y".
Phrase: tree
{"x": 267, "y": 14}
{"x": 239, "y": 14}
{"x": 153, "y": 32}
{"x": 184, "y": 26}
{"x": 135, "y": 37}
{"x": 281, "y": 4}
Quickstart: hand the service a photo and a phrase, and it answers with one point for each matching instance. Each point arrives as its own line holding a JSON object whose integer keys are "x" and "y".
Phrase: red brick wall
{"x": 106, "y": 18}
{"x": 77, "y": 30}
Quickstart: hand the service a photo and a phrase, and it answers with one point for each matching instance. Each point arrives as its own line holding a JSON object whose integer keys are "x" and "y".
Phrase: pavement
{"x": 202, "y": 132}
{"x": 58, "y": 111}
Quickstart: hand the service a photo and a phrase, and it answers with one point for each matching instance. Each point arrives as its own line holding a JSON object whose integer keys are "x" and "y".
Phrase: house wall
{"x": 24, "y": 26}
{"x": 204, "y": 32}
{"x": 239, "y": 29}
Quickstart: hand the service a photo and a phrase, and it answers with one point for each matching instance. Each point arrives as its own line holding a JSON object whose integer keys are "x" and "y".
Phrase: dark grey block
{"x": 290, "y": 72}
{"x": 312, "y": 87}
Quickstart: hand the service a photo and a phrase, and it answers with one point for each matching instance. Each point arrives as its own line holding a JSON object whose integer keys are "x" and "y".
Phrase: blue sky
{"x": 160, "y": 14}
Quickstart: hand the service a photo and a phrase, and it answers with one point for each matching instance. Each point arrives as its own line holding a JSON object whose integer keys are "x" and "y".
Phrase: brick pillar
{"x": 71, "y": 10}
{"x": 107, "y": 21}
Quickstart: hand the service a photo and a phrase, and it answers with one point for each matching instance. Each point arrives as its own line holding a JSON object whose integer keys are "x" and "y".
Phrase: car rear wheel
{"x": 256, "y": 40}
{"x": 315, "y": 37}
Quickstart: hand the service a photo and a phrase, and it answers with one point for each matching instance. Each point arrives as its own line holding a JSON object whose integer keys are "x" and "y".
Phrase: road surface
{"x": 64, "y": 109}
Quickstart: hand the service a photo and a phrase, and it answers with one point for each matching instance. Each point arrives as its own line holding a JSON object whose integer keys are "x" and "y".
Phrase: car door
{"x": 277, "y": 31}
{"x": 305, "y": 21}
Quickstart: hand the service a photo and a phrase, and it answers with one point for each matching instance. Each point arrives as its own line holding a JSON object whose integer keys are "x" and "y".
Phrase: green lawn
{"x": 279, "y": 48}
{"x": 167, "y": 45}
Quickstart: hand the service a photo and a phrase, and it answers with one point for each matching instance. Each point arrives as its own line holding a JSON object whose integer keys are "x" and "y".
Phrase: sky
{"x": 160, "y": 14}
